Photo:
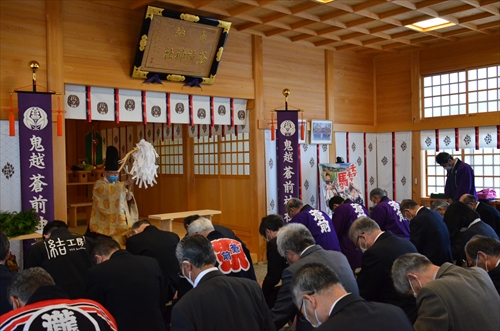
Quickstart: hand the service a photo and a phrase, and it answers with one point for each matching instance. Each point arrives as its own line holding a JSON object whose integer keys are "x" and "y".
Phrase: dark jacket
{"x": 430, "y": 236}
{"x": 374, "y": 279}
{"x": 130, "y": 287}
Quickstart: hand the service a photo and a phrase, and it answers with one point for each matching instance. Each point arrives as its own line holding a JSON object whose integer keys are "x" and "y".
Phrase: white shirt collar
{"x": 419, "y": 209}
{"x": 333, "y": 306}
{"x": 203, "y": 273}
{"x": 305, "y": 249}
{"x": 377, "y": 236}
{"x": 498, "y": 262}
{"x": 474, "y": 222}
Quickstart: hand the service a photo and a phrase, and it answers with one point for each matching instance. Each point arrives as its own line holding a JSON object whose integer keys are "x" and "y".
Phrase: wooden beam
{"x": 55, "y": 81}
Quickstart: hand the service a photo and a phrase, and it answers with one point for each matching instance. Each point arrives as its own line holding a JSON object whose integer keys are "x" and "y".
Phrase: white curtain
{"x": 403, "y": 166}
{"x": 384, "y": 162}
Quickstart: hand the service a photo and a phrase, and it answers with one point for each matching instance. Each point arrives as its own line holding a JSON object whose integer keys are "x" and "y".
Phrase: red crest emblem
{"x": 230, "y": 255}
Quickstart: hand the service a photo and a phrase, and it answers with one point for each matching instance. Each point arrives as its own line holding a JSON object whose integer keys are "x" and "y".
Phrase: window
{"x": 206, "y": 158}
{"x": 171, "y": 156}
{"x": 235, "y": 154}
{"x": 485, "y": 163}
{"x": 228, "y": 155}
{"x": 463, "y": 92}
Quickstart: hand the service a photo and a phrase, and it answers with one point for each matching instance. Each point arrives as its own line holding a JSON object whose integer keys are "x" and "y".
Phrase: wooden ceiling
{"x": 361, "y": 26}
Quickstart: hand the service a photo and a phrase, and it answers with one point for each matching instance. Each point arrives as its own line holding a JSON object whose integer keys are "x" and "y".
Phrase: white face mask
{"x": 307, "y": 318}
{"x": 414, "y": 293}
{"x": 188, "y": 278}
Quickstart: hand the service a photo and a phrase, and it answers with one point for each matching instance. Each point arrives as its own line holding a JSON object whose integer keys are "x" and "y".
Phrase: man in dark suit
{"x": 488, "y": 214}
{"x": 39, "y": 304}
{"x": 5, "y": 273}
{"x": 224, "y": 230}
{"x": 484, "y": 252}
{"x": 269, "y": 228}
{"x": 216, "y": 302}
{"x": 382, "y": 249}
{"x": 129, "y": 286}
{"x": 64, "y": 256}
{"x": 320, "y": 296}
{"x": 428, "y": 232}
{"x": 233, "y": 258}
{"x": 297, "y": 245}
{"x": 148, "y": 240}
{"x": 449, "y": 297}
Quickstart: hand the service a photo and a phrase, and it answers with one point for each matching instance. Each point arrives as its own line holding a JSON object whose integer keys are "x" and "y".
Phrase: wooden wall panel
{"x": 236, "y": 209}
{"x": 168, "y": 196}
{"x": 458, "y": 55}
{"x": 100, "y": 44}
{"x": 236, "y": 60}
{"x": 353, "y": 89}
{"x": 393, "y": 81}
{"x": 300, "y": 69}
{"x": 23, "y": 39}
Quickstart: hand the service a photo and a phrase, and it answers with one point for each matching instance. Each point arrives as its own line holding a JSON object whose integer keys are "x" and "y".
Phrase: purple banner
{"x": 287, "y": 159}
{"x": 35, "y": 143}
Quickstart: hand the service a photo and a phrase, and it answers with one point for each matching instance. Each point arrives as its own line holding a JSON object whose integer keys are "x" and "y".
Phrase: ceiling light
{"x": 429, "y": 25}
{"x": 324, "y": 1}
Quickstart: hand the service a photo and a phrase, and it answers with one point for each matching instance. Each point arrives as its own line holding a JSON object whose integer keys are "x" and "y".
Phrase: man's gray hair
{"x": 362, "y": 225}
{"x": 469, "y": 198}
{"x": 200, "y": 225}
{"x": 294, "y": 203}
{"x": 26, "y": 282}
{"x": 439, "y": 204}
{"x": 197, "y": 250}
{"x": 312, "y": 278}
{"x": 405, "y": 264}
{"x": 377, "y": 192}
{"x": 294, "y": 237}
{"x": 487, "y": 245}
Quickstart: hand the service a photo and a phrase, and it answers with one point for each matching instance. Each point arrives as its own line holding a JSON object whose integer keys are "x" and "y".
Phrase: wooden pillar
{"x": 329, "y": 100}
{"x": 257, "y": 153}
{"x": 55, "y": 80}
{"x": 416, "y": 164}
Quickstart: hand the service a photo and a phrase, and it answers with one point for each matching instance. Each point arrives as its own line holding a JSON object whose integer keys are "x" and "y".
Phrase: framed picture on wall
{"x": 321, "y": 132}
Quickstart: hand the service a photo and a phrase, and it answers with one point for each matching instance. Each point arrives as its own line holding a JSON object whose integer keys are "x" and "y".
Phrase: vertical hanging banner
{"x": 287, "y": 144}
{"x": 35, "y": 142}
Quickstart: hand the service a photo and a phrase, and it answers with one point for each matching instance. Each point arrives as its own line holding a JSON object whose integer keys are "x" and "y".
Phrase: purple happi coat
{"x": 342, "y": 219}
{"x": 320, "y": 225}
{"x": 388, "y": 216}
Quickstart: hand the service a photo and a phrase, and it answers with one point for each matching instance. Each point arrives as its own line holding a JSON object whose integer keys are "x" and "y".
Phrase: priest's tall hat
{"x": 112, "y": 159}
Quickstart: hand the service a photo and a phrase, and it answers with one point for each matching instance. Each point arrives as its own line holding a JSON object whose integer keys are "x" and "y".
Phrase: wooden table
{"x": 34, "y": 235}
{"x": 166, "y": 219}
{"x": 424, "y": 201}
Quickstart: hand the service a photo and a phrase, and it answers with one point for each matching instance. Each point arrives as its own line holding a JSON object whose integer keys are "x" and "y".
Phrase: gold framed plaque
{"x": 179, "y": 47}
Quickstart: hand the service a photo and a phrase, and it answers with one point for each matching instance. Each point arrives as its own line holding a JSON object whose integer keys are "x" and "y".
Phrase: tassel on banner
{"x": 273, "y": 133}
{"x": 12, "y": 126}
{"x": 302, "y": 129}
{"x": 59, "y": 117}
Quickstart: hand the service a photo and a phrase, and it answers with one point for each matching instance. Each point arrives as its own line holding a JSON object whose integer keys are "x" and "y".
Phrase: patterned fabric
{"x": 112, "y": 215}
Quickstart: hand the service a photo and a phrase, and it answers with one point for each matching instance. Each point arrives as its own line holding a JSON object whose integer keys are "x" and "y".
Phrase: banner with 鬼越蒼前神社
{"x": 287, "y": 159}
